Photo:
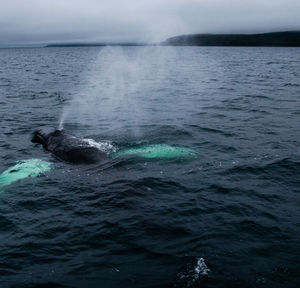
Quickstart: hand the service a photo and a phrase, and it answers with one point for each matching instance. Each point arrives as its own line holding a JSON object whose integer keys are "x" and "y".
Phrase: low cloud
{"x": 35, "y": 21}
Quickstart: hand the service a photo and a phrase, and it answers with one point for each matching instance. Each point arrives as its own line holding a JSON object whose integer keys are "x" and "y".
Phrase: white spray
{"x": 115, "y": 85}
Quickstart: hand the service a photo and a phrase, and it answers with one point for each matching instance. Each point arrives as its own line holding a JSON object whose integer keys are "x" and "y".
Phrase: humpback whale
{"x": 67, "y": 147}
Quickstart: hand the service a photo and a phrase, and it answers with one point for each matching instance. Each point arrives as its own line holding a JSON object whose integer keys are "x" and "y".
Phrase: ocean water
{"x": 228, "y": 217}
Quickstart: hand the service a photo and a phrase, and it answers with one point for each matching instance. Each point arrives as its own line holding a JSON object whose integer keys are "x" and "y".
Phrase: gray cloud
{"x": 36, "y": 21}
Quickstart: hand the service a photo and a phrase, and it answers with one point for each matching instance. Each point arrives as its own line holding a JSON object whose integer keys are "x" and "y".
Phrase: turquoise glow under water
{"x": 157, "y": 151}
{"x": 24, "y": 169}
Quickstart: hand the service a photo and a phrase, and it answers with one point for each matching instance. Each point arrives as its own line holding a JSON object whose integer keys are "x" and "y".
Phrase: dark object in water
{"x": 67, "y": 147}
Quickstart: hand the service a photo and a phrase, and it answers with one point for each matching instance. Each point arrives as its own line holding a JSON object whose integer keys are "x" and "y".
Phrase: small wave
{"x": 217, "y": 131}
{"x": 273, "y": 62}
{"x": 284, "y": 170}
{"x": 105, "y": 146}
{"x": 258, "y": 96}
{"x": 291, "y": 85}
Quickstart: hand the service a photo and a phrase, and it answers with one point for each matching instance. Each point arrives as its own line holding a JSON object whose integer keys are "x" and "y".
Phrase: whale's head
{"x": 41, "y": 136}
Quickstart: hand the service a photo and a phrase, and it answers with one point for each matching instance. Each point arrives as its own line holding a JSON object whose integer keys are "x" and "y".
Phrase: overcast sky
{"x": 45, "y": 21}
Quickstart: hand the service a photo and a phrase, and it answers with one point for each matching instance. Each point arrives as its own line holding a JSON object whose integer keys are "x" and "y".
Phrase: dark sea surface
{"x": 140, "y": 222}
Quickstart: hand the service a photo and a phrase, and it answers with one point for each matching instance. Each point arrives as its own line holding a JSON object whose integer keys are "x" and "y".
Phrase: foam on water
{"x": 194, "y": 273}
{"x": 105, "y": 146}
{"x": 24, "y": 169}
{"x": 201, "y": 269}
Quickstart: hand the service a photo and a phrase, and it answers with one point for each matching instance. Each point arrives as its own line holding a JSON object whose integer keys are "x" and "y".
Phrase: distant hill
{"x": 289, "y": 39}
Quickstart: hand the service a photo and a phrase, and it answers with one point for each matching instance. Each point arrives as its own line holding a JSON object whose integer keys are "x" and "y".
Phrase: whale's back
{"x": 69, "y": 148}
{"x": 80, "y": 155}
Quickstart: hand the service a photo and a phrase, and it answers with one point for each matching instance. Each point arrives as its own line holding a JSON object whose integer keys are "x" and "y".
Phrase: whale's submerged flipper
{"x": 24, "y": 169}
{"x": 162, "y": 151}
